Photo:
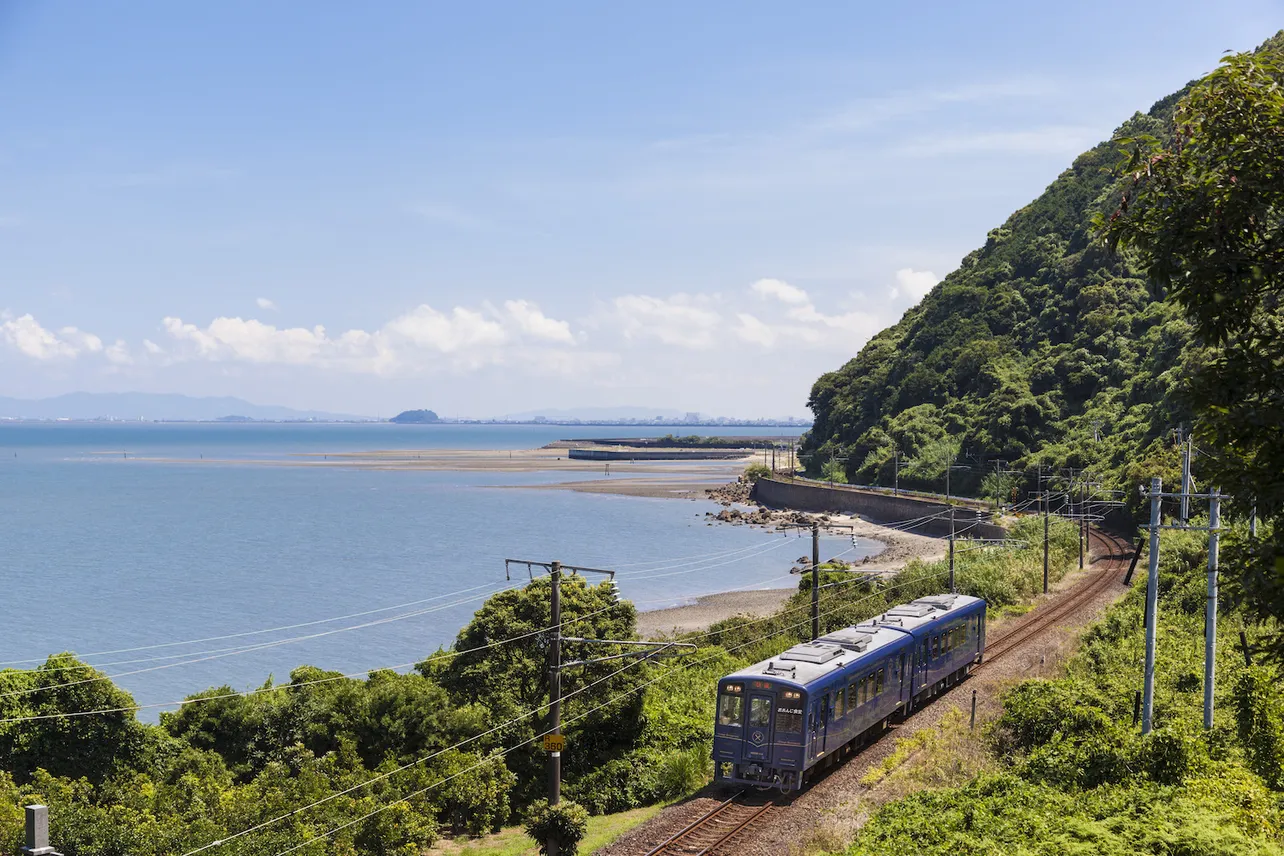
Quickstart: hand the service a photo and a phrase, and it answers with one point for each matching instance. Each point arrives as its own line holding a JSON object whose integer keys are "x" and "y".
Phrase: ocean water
{"x": 118, "y": 558}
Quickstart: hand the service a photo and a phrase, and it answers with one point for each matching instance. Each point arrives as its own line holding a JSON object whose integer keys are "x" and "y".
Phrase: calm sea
{"x": 346, "y": 569}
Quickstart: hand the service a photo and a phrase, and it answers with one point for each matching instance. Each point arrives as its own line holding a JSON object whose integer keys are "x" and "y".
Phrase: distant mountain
{"x": 415, "y": 417}
{"x": 155, "y": 407}
{"x": 596, "y": 414}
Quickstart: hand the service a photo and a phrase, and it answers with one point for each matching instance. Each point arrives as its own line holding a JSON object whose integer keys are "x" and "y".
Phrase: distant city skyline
{"x": 503, "y": 207}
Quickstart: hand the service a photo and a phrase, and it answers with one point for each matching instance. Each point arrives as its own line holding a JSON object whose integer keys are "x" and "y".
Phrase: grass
{"x": 512, "y": 841}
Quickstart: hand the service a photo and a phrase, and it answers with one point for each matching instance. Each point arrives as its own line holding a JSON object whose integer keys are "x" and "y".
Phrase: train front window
{"x": 759, "y": 712}
{"x": 730, "y": 709}
{"x": 788, "y": 722}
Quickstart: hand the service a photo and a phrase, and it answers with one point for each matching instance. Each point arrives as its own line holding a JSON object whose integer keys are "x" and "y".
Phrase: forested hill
{"x": 1042, "y": 348}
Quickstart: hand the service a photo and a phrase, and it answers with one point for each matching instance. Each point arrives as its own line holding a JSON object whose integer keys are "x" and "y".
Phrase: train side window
{"x": 878, "y": 682}
{"x": 853, "y": 693}
{"x": 759, "y": 712}
{"x": 730, "y": 710}
{"x": 840, "y": 704}
{"x": 936, "y": 646}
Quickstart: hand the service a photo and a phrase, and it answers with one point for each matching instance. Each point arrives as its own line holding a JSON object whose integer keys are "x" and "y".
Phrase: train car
{"x": 781, "y": 720}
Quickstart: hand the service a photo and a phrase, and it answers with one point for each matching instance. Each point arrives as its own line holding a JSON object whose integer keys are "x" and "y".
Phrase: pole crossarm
{"x": 548, "y": 566}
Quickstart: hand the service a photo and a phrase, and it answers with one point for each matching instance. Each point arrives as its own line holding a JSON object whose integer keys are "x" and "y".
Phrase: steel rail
{"x": 687, "y": 841}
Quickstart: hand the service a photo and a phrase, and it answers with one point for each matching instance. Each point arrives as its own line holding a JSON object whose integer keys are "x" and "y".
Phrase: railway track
{"x": 717, "y": 830}
{"x": 727, "y": 826}
{"x": 1116, "y": 550}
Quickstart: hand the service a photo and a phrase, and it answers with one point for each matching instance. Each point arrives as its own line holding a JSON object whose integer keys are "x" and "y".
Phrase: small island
{"x": 415, "y": 417}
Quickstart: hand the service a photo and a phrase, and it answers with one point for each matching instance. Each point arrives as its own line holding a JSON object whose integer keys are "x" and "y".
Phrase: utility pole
{"x": 555, "y": 690}
{"x": 896, "y": 472}
{"x": 1210, "y": 615}
{"x": 1152, "y": 606}
{"x": 553, "y": 740}
{"x": 1083, "y": 520}
{"x": 1185, "y": 480}
{"x": 815, "y": 581}
{"x": 1045, "y": 541}
{"x": 951, "y": 547}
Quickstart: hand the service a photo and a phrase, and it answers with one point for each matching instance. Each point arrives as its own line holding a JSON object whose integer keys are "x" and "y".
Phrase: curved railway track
{"x": 715, "y": 831}
{"x": 721, "y": 829}
{"x": 1113, "y": 548}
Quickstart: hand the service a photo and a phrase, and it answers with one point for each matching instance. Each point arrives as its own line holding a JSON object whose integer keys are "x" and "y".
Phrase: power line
{"x": 513, "y": 748}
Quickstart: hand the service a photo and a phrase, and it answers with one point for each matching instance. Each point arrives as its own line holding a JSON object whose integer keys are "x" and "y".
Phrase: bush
{"x": 566, "y": 823}
{"x": 620, "y": 784}
{"x": 833, "y": 471}
{"x": 753, "y": 472}
{"x": 1259, "y": 715}
{"x": 685, "y": 771}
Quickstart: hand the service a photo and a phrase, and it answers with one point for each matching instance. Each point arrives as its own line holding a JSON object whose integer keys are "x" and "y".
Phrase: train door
{"x": 902, "y": 678}
{"x": 818, "y": 725}
{"x": 758, "y": 728}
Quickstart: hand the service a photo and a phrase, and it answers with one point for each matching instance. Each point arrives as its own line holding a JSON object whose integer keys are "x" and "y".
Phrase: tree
{"x": 566, "y": 823}
{"x": 1203, "y": 216}
{"x": 92, "y": 747}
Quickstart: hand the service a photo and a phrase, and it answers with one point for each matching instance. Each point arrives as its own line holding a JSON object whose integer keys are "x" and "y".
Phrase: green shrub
{"x": 753, "y": 472}
{"x": 1259, "y": 715}
{"x": 620, "y": 784}
{"x": 685, "y": 771}
{"x": 566, "y": 823}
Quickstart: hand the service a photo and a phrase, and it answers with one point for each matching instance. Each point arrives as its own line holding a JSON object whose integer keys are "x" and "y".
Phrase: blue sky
{"x": 488, "y": 208}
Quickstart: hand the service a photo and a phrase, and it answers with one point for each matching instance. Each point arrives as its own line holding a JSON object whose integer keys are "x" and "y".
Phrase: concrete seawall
{"x": 875, "y": 507}
{"x": 656, "y": 454}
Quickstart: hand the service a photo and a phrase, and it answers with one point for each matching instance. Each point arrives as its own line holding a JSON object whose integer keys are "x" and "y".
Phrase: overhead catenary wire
{"x": 505, "y": 751}
{"x": 220, "y": 653}
{"x": 753, "y": 550}
{"x": 332, "y": 678}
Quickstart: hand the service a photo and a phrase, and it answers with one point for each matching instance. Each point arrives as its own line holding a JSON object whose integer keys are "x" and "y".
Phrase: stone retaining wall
{"x": 874, "y": 507}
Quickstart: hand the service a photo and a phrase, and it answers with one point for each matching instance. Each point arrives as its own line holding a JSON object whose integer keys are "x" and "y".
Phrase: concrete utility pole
{"x": 1185, "y": 480}
{"x": 815, "y": 581}
{"x": 896, "y": 472}
{"x": 1045, "y": 543}
{"x": 1210, "y": 615}
{"x": 1083, "y": 520}
{"x": 1152, "y": 607}
{"x": 555, "y": 689}
{"x": 951, "y": 547}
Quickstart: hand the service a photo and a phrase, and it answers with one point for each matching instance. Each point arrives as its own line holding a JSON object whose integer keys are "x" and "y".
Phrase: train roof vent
{"x": 812, "y": 652}
{"x": 939, "y": 601}
{"x": 773, "y": 669}
{"x": 850, "y": 638}
{"x": 912, "y": 610}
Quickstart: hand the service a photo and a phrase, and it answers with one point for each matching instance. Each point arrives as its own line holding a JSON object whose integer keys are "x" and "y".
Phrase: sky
{"x": 488, "y": 208}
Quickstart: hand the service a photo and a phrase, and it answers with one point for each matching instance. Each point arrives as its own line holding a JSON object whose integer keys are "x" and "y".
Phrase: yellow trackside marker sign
{"x": 554, "y": 742}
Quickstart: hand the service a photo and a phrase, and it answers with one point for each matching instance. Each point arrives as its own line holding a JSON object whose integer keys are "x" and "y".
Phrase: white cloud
{"x": 424, "y": 338}
{"x": 680, "y": 320}
{"x": 754, "y": 331}
{"x": 914, "y": 284}
{"x": 532, "y": 321}
{"x": 29, "y": 338}
{"x": 265, "y": 303}
{"x": 781, "y": 290}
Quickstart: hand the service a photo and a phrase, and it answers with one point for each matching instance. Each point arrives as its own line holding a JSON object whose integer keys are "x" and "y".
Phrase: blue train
{"x": 782, "y": 720}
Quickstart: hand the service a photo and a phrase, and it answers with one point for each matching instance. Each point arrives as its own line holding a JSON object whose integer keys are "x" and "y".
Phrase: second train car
{"x": 781, "y": 720}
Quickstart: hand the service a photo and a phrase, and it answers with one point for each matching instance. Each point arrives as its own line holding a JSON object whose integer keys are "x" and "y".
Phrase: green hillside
{"x": 1041, "y": 349}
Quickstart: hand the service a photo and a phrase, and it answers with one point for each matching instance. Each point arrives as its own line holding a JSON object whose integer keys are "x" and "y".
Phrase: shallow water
{"x": 101, "y": 553}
